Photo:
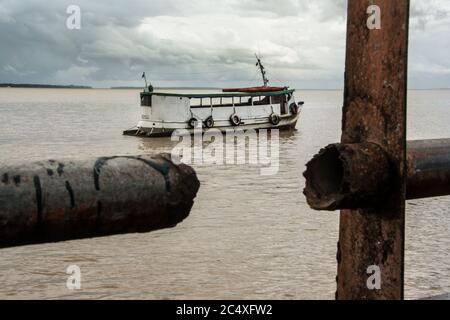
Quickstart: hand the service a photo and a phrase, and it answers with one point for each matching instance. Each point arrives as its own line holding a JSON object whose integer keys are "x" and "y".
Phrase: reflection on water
{"x": 248, "y": 236}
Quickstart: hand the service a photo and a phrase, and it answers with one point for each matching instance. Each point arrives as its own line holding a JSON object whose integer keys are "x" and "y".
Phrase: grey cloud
{"x": 326, "y": 9}
{"x": 424, "y": 12}
{"x": 197, "y": 42}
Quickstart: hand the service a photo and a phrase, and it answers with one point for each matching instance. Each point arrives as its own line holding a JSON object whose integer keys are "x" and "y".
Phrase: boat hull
{"x": 286, "y": 123}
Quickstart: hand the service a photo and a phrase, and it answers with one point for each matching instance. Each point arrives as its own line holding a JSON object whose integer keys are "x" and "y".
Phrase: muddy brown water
{"x": 248, "y": 236}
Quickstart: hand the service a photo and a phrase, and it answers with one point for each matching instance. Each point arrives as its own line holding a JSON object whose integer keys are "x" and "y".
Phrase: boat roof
{"x": 221, "y": 94}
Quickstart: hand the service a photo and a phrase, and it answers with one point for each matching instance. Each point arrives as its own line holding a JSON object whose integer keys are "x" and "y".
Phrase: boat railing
{"x": 248, "y": 101}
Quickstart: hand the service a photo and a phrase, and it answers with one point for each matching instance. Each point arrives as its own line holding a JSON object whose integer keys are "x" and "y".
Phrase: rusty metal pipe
{"x": 60, "y": 200}
{"x": 428, "y": 168}
{"x": 347, "y": 176}
{"x": 351, "y": 176}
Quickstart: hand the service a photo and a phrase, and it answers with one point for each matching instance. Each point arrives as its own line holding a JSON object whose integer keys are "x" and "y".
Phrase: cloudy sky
{"x": 201, "y": 42}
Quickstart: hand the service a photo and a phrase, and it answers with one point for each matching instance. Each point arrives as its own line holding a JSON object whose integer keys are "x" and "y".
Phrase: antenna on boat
{"x": 145, "y": 79}
{"x": 147, "y": 87}
{"x": 262, "y": 69}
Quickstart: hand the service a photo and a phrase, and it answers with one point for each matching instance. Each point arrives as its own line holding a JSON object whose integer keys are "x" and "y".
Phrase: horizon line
{"x": 73, "y": 86}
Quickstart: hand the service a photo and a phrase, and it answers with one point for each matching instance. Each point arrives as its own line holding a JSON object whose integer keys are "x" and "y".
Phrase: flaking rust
{"x": 364, "y": 175}
{"x": 348, "y": 176}
{"x": 375, "y": 111}
{"x": 428, "y": 168}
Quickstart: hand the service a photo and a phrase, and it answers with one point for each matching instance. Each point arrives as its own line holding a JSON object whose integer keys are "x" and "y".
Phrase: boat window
{"x": 216, "y": 102}
{"x": 227, "y": 101}
{"x": 262, "y": 100}
{"x": 146, "y": 100}
{"x": 244, "y": 101}
{"x": 196, "y": 102}
{"x": 277, "y": 99}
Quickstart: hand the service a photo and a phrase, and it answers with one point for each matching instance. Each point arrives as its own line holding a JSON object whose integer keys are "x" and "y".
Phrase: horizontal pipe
{"x": 428, "y": 168}
{"x": 346, "y": 176}
{"x": 349, "y": 176}
{"x": 53, "y": 200}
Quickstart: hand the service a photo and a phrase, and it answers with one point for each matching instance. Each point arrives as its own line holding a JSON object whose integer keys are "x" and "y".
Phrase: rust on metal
{"x": 375, "y": 111}
{"x": 357, "y": 175}
{"x": 53, "y": 200}
{"x": 347, "y": 176}
{"x": 428, "y": 168}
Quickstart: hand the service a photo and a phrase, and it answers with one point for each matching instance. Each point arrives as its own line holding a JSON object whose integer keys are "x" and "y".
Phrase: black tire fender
{"x": 274, "y": 119}
{"x": 235, "y": 119}
{"x": 209, "y": 122}
{"x": 192, "y": 122}
{"x": 294, "y": 108}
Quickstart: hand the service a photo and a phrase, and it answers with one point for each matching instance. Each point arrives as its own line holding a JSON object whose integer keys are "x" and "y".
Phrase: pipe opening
{"x": 347, "y": 176}
{"x": 326, "y": 173}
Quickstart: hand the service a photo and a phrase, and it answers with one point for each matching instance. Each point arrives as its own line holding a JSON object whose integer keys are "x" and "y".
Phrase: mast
{"x": 148, "y": 88}
{"x": 262, "y": 70}
{"x": 145, "y": 79}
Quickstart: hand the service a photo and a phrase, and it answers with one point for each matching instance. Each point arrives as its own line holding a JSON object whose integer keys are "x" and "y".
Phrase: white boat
{"x": 245, "y": 108}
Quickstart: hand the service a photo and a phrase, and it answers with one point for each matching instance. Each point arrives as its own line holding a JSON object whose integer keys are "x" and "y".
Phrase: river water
{"x": 248, "y": 236}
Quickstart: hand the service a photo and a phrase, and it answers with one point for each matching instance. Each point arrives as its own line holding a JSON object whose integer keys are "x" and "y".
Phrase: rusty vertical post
{"x": 375, "y": 111}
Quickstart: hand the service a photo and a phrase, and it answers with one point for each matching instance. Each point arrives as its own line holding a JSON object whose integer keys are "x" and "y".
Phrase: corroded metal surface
{"x": 357, "y": 175}
{"x": 375, "y": 111}
{"x": 347, "y": 176}
{"x": 59, "y": 200}
{"x": 428, "y": 168}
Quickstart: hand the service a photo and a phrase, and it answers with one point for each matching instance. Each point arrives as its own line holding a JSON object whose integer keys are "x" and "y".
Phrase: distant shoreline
{"x": 167, "y": 88}
{"x": 48, "y": 86}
